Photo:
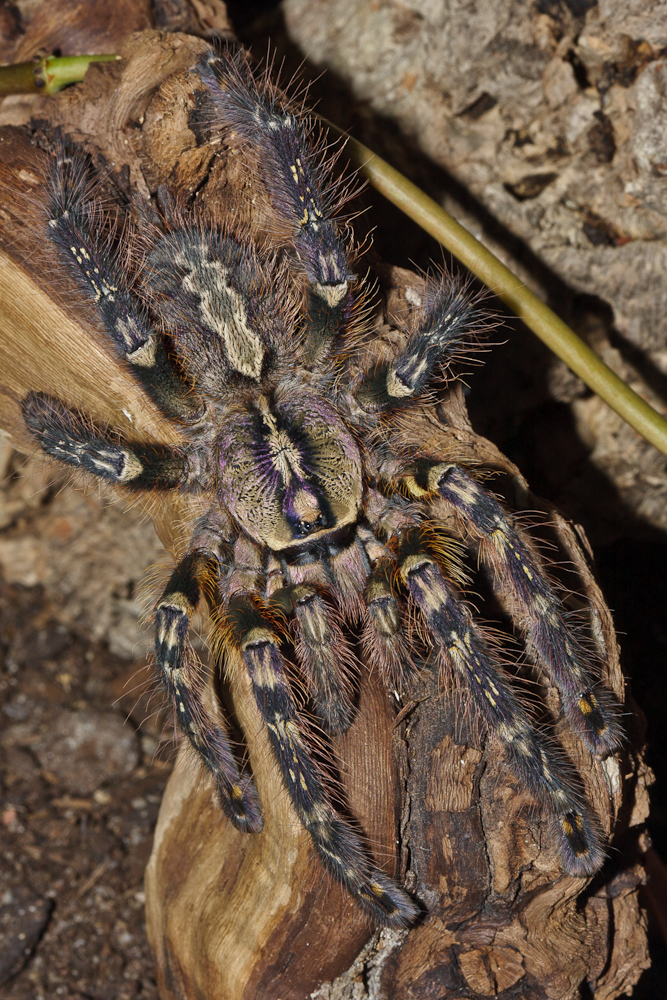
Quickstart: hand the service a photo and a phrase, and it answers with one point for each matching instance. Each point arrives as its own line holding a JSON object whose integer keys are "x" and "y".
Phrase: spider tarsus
{"x": 582, "y": 849}
{"x": 68, "y": 436}
{"x": 451, "y": 316}
{"x": 594, "y": 714}
{"x": 396, "y": 908}
{"x": 240, "y": 803}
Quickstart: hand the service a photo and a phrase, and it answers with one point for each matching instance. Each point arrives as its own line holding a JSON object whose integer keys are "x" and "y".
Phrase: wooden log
{"x": 254, "y": 916}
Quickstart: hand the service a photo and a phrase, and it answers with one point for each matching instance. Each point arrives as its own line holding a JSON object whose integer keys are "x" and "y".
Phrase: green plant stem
{"x": 47, "y": 76}
{"x": 535, "y": 314}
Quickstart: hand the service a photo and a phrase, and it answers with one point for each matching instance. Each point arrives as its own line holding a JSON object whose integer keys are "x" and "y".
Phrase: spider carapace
{"x": 318, "y": 525}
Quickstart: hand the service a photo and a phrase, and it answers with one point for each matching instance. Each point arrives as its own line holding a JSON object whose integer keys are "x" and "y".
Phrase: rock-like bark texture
{"x": 556, "y": 122}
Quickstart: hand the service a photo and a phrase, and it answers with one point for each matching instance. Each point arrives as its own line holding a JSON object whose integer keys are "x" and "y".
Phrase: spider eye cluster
{"x": 306, "y": 510}
{"x": 289, "y": 470}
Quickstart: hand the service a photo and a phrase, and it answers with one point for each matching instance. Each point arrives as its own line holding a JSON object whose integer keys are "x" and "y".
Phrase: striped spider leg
{"x": 67, "y": 436}
{"x": 83, "y": 232}
{"x": 303, "y": 194}
{"x": 517, "y": 573}
{"x": 255, "y": 598}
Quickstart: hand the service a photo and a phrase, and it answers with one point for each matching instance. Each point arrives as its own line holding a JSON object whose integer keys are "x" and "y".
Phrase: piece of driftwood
{"x": 236, "y": 916}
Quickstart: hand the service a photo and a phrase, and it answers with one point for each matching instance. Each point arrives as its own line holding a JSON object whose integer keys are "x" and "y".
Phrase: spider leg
{"x": 184, "y": 684}
{"x": 517, "y": 573}
{"x": 530, "y": 756}
{"x": 321, "y": 647}
{"x": 451, "y": 313}
{"x": 66, "y": 435}
{"x": 345, "y": 571}
{"x": 296, "y": 182}
{"x": 384, "y": 641}
{"x": 348, "y": 567}
{"x": 338, "y": 845}
{"x": 324, "y": 654}
{"x": 74, "y": 227}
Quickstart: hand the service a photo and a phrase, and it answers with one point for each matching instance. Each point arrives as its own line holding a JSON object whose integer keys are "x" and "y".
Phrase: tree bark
{"x": 254, "y": 916}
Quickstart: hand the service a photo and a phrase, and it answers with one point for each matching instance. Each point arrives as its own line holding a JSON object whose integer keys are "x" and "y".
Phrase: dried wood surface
{"x": 234, "y": 916}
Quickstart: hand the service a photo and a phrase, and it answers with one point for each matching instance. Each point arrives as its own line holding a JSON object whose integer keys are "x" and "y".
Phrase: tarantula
{"x": 316, "y": 522}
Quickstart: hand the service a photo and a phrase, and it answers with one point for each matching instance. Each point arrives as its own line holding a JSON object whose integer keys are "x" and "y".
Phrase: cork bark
{"x": 235, "y": 916}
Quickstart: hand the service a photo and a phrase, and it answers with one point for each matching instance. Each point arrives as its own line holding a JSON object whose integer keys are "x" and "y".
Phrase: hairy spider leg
{"x": 184, "y": 683}
{"x": 296, "y": 181}
{"x": 65, "y": 434}
{"x": 348, "y": 568}
{"x": 528, "y": 754}
{"x": 344, "y": 572}
{"x": 451, "y": 313}
{"x": 384, "y": 640}
{"x": 323, "y": 653}
{"x": 76, "y": 227}
{"x": 338, "y": 845}
{"x": 516, "y": 573}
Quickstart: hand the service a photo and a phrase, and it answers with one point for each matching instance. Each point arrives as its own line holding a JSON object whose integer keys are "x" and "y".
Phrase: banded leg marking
{"x": 529, "y": 755}
{"x": 337, "y": 844}
{"x": 296, "y": 185}
{"x": 324, "y": 654}
{"x": 64, "y": 434}
{"x": 588, "y": 706}
{"x": 74, "y": 227}
{"x": 451, "y": 313}
{"x": 184, "y": 684}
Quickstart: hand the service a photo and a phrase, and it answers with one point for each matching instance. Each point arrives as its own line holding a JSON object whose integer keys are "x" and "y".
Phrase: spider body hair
{"x": 316, "y": 523}
{"x": 76, "y": 226}
{"x": 295, "y": 181}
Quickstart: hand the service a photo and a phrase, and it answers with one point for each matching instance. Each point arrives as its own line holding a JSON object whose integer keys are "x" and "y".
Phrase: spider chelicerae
{"x": 318, "y": 525}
